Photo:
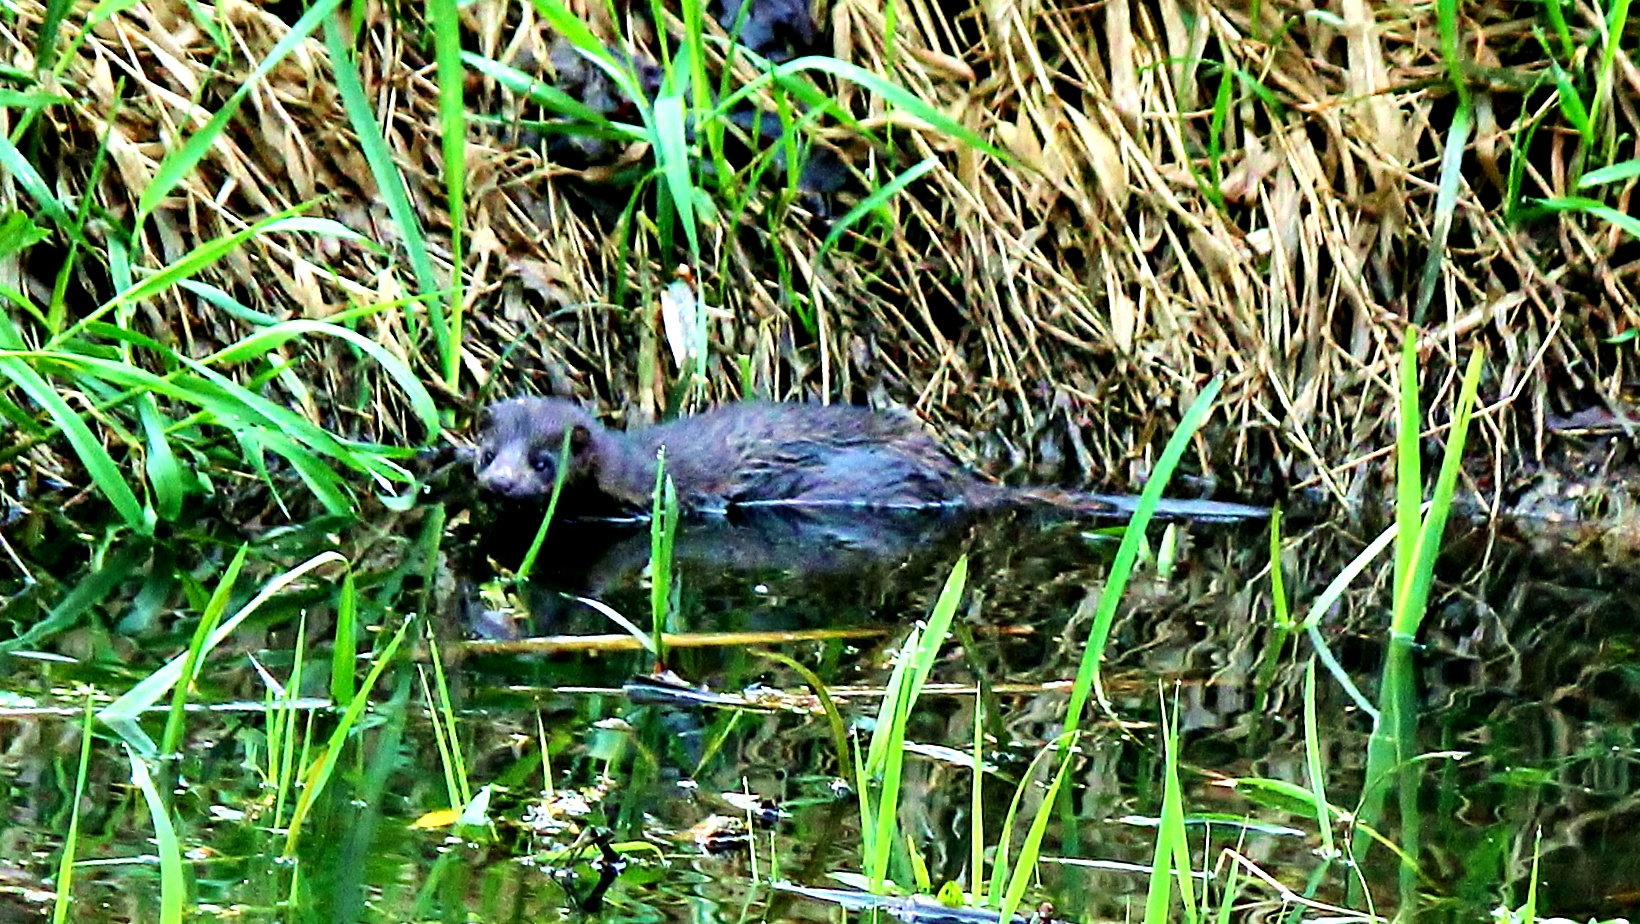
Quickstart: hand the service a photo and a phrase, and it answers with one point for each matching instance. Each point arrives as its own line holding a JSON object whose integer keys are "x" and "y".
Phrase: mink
{"x": 757, "y": 453}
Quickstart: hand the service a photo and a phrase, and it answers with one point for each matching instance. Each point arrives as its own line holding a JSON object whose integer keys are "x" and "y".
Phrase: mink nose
{"x": 504, "y": 481}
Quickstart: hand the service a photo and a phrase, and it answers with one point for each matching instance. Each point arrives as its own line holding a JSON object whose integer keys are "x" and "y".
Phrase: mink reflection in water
{"x": 757, "y": 568}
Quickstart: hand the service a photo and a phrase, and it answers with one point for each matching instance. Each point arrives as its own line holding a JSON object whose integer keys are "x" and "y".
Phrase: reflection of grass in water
{"x": 299, "y": 764}
{"x": 1229, "y": 876}
{"x": 878, "y": 773}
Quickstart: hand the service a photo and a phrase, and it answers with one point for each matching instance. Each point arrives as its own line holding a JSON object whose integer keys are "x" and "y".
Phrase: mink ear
{"x": 500, "y": 415}
{"x": 579, "y": 439}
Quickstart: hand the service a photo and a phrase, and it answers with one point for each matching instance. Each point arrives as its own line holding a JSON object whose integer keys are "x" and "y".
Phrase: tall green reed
{"x": 1418, "y": 533}
{"x": 443, "y": 17}
{"x": 663, "y": 531}
{"x": 71, "y": 840}
{"x": 527, "y": 567}
{"x": 1088, "y": 681}
{"x": 878, "y": 771}
{"x": 1170, "y": 862}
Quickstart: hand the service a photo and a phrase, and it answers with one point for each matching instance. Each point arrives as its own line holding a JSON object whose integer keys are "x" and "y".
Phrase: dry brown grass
{"x": 1063, "y": 311}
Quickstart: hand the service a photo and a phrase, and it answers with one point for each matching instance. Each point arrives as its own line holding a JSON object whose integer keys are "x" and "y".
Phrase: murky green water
{"x": 1526, "y": 685}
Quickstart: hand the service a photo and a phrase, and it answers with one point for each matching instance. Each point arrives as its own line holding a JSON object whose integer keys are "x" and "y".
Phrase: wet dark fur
{"x": 739, "y": 454}
{"x": 755, "y": 453}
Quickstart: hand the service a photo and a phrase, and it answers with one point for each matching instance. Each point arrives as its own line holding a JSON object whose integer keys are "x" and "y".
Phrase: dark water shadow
{"x": 818, "y": 567}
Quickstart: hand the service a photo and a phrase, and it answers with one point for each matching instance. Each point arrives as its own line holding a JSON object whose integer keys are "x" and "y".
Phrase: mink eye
{"x": 541, "y": 460}
{"x": 483, "y": 456}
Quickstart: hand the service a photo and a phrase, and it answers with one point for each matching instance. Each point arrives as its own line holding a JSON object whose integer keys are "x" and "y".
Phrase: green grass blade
{"x": 1001, "y": 864}
{"x": 828, "y": 705}
{"x": 1324, "y": 603}
{"x": 46, "y": 43}
{"x": 1446, "y": 23}
{"x": 885, "y": 759}
{"x": 204, "y": 256}
{"x": 896, "y": 713}
{"x": 248, "y": 413}
{"x": 1087, "y": 674}
{"x": 173, "y": 887}
{"x": 1313, "y": 762}
{"x": 1222, "y": 101}
{"x": 443, "y": 739}
{"x": 672, "y": 154}
{"x": 227, "y": 304}
{"x": 1613, "y": 173}
{"x": 1030, "y": 849}
{"x": 170, "y": 483}
{"x": 1171, "y": 859}
{"x": 1410, "y": 609}
{"x": 527, "y": 567}
{"x": 389, "y": 180}
{"x": 1556, "y": 12}
{"x": 18, "y": 233}
{"x": 194, "y": 656}
{"x": 121, "y": 715}
{"x": 877, "y": 753}
{"x": 878, "y": 199}
{"x": 868, "y": 816}
{"x": 1528, "y": 911}
{"x": 99, "y": 465}
{"x": 446, "y": 708}
{"x": 23, "y": 173}
{"x": 548, "y": 96}
{"x": 920, "y": 650}
{"x": 101, "y": 13}
{"x": 1617, "y": 20}
{"x": 91, "y": 591}
{"x": 895, "y": 95}
{"x": 1571, "y": 104}
{"x": 452, "y": 118}
{"x": 1281, "y": 616}
{"x": 1513, "y": 211}
{"x": 180, "y": 161}
{"x": 1623, "y": 220}
{"x": 663, "y": 529}
{"x": 1446, "y": 203}
{"x": 631, "y": 628}
{"x": 71, "y": 842}
{"x": 346, "y": 647}
{"x": 1409, "y": 479}
{"x": 939, "y": 626}
{"x": 1335, "y": 589}
{"x": 262, "y": 343}
{"x": 320, "y": 772}
{"x": 884, "y": 762}
{"x": 977, "y": 885}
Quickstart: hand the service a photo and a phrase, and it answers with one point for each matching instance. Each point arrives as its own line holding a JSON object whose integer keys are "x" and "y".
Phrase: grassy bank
{"x": 1061, "y": 222}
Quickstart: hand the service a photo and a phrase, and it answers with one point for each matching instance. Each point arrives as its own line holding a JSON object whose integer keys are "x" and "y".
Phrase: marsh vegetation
{"x": 264, "y": 655}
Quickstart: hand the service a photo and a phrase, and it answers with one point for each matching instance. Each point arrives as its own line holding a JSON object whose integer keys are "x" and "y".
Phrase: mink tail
{"x": 1121, "y": 505}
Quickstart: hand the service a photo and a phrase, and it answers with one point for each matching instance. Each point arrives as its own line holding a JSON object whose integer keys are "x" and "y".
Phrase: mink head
{"x": 521, "y": 442}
